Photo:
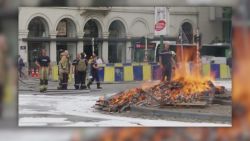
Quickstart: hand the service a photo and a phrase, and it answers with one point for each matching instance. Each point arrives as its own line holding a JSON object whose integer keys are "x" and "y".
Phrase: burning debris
{"x": 179, "y": 92}
{"x": 188, "y": 88}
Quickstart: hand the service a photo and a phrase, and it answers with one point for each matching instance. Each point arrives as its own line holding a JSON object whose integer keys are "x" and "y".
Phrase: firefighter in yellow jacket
{"x": 64, "y": 68}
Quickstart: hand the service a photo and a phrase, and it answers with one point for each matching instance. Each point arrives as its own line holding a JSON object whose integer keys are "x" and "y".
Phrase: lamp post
{"x": 93, "y": 46}
{"x": 151, "y": 36}
{"x": 146, "y": 50}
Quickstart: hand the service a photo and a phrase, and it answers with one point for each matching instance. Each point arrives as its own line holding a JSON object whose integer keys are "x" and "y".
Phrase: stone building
{"x": 112, "y": 32}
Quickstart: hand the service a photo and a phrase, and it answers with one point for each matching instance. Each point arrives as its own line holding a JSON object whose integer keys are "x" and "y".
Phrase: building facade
{"x": 111, "y": 32}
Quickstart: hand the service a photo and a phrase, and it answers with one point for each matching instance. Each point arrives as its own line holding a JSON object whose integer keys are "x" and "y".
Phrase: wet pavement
{"x": 74, "y": 108}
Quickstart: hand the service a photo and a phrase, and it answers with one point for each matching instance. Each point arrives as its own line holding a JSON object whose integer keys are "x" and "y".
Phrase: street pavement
{"x": 74, "y": 108}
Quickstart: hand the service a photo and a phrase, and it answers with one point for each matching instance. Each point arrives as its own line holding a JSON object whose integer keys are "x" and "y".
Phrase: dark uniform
{"x": 80, "y": 75}
{"x": 44, "y": 62}
{"x": 230, "y": 64}
{"x": 95, "y": 75}
{"x": 166, "y": 58}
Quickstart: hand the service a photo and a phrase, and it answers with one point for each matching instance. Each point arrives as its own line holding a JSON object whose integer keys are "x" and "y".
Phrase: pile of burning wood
{"x": 179, "y": 92}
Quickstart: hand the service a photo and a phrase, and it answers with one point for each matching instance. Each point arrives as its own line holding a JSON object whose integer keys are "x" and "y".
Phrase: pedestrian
{"x": 20, "y": 65}
{"x": 89, "y": 68}
{"x": 229, "y": 62}
{"x": 63, "y": 71}
{"x": 166, "y": 63}
{"x": 44, "y": 66}
{"x": 79, "y": 70}
{"x": 69, "y": 64}
{"x": 94, "y": 73}
{"x": 59, "y": 74}
{"x": 99, "y": 60}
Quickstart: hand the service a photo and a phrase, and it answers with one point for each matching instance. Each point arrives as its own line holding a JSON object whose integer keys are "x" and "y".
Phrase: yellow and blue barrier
{"x": 111, "y": 73}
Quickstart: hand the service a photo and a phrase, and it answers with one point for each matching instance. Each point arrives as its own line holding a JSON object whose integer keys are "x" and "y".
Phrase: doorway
{"x": 34, "y": 51}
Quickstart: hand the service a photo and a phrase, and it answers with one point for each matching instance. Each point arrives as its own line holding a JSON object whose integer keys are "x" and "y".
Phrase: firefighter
{"x": 59, "y": 73}
{"x": 64, "y": 71}
{"x": 94, "y": 73}
{"x": 69, "y": 66}
{"x": 89, "y": 69}
{"x": 83, "y": 70}
{"x": 79, "y": 70}
{"x": 43, "y": 64}
{"x": 75, "y": 70}
{"x": 166, "y": 63}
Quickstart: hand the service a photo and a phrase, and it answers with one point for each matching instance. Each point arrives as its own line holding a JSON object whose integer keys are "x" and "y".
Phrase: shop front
{"x": 140, "y": 51}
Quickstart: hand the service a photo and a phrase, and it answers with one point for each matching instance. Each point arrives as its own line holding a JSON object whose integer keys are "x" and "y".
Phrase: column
{"x": 128, "y": 52}
{"x": 79, "y": 46}
{"x": 23, "y": 46}
{"x": 52, "y": 51}
{"x": 23, "y": 49}
{"x": 80, "y": 43}
{"x": 105, "y": 48}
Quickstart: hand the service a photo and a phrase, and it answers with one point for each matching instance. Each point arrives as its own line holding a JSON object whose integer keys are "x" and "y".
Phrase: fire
{"x": 126, "y": 96}
{"x": 191, "y": 77}
{"x": 188, "y": 86}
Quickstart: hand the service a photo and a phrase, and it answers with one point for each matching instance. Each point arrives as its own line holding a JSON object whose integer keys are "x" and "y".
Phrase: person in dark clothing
{"x": 94, "y": 73}
{"x": 82, "y": 70}
{"x": 75, "y": 71}
{"x": 230, "y": 64}
{"x": 79, "y": 70}
{"x": 166, "y": 63}
{"x": 20, "y": 65}
{"x": 43, "y": 64}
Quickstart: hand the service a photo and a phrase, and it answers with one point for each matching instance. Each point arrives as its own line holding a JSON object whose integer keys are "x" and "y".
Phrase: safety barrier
{"x": 34, "y": 73}
{"x": 145, "y": 71}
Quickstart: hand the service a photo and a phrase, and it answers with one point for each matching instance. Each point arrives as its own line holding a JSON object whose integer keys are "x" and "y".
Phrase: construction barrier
{"x": 34, "y": 72}
{"x": 145, "y": 71}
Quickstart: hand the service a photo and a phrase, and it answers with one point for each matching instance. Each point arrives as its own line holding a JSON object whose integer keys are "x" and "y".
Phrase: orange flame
{"x": 192, "y": 77}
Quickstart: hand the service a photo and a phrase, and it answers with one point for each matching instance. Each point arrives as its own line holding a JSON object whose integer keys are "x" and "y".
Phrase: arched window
{"x": 116, "y": 50}
{"x": 187, "y": 32}
{"x": 66, "y": 28}
{"x": 117, "y": 29}
{"x": 92, "y": 29}
{"x": 38, "y": 27}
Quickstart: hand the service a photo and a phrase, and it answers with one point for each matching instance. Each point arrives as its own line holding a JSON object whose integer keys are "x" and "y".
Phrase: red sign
{"x": 160, "y": 25}
{"x": 151, "y": 45}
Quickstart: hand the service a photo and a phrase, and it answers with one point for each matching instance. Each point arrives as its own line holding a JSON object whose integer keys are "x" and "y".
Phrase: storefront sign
{"x": 161, "y": 20}
{"x": 138, "y": 45}
{"x": 23, "y": 47}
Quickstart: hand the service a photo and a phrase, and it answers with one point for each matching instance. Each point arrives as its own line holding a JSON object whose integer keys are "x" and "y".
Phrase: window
{"x": 187, "y": 33}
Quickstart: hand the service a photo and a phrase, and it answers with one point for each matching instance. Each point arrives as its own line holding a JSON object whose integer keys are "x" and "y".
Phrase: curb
{"x": 60, "y": 92}
{"x": 189, "y": 115}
